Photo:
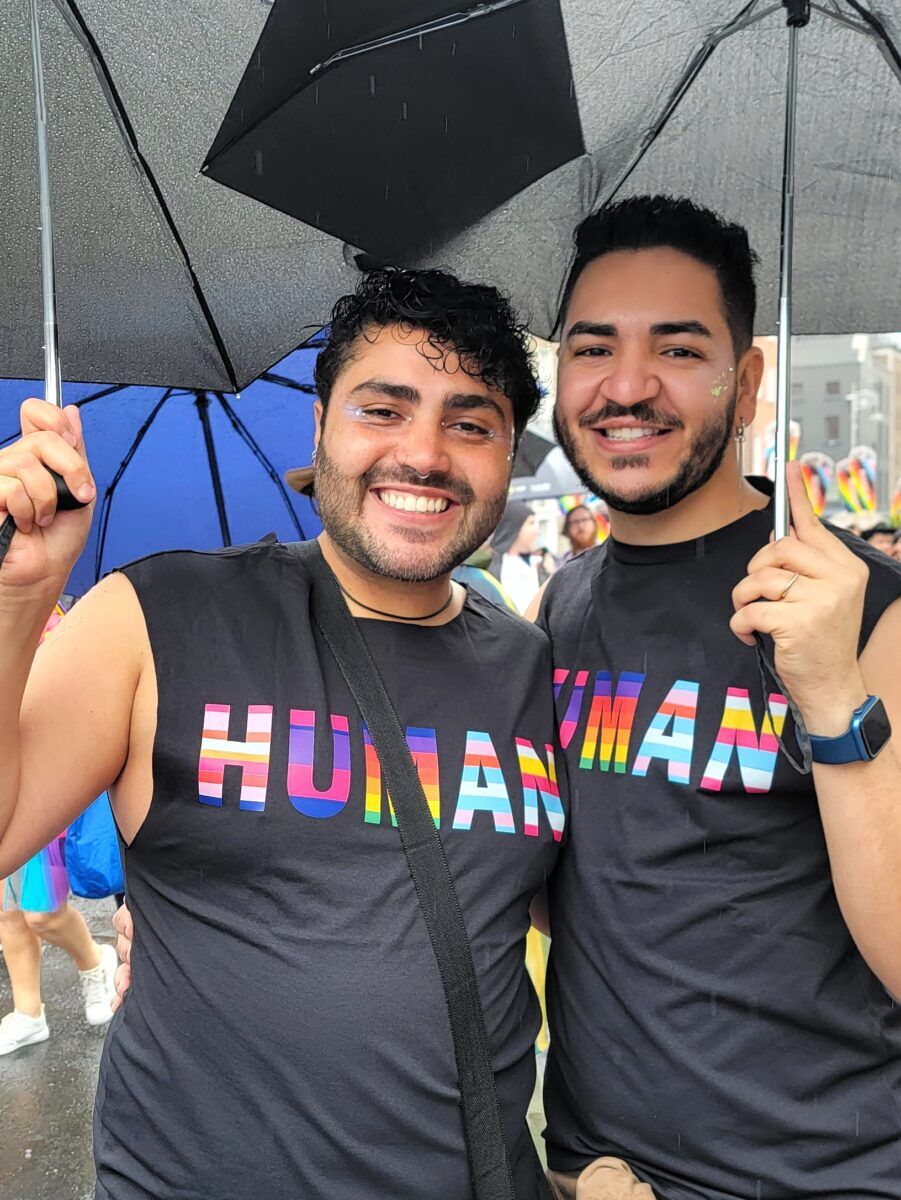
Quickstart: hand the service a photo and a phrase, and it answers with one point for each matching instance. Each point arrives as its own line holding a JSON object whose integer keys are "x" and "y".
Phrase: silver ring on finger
{"x": 788, "y": 587}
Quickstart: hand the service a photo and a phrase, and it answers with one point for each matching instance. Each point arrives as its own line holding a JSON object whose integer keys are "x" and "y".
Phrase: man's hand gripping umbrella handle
{"x": 65, "y": 502}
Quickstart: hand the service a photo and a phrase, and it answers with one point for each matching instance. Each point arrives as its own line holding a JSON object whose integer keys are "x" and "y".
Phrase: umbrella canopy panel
{"x": 392, "y": 126}
{"x": 163, "y": 277}
{"x": 165, "y": 497}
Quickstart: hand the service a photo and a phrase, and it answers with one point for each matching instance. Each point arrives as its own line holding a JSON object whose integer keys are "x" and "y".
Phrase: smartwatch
{"x": 868, "y": 732}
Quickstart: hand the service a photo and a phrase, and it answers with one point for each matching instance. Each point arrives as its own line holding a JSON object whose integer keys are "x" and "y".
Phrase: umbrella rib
{"x": 76, "y": 22}
{"x": 389, "y": 39}
{"x": 244, "y": 433}
{"x": 872, "y": 27}
{"x": 742, "y": 20}
{"x": 106, "y": 503}
{"x": 283, "y": 381}
{"x": 202, "y": 404}
{"x": 77, "y": 403}
{"x": 405, "y": 35}
{"x": 108, "y": 391}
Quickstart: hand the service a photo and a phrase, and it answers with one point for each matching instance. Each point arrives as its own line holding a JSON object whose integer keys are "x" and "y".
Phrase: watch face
{"x": 875, "y": 729}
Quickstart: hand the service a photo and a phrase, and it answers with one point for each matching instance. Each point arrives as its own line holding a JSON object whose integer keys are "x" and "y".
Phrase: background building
{"x": 845, "y": 393}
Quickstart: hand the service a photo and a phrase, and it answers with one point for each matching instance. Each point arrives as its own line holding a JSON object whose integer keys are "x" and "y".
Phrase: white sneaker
{"x": 98, "y": 988}
{"x": 18, "y": 1030}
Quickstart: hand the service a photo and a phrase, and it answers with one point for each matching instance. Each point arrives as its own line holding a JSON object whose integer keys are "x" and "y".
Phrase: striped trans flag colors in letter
{"x": 217, "y": 752}
{"x": 482, "y": 786}
{"x": 756, "y": 758}
{"x": 680, "y": 707}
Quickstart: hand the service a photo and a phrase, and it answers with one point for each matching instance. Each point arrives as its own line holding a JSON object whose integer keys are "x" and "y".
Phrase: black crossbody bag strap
{"x": 486, "y": 1147}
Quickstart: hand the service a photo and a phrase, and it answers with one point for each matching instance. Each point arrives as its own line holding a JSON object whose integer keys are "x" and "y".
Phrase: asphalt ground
{"x": 47, "y": 1091}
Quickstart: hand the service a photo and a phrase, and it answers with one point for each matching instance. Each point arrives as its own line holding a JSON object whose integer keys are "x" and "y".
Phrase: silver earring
{"x": 740, "y": 439}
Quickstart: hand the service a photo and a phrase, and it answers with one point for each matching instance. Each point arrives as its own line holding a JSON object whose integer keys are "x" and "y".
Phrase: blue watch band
{"x": 849, "y": 746}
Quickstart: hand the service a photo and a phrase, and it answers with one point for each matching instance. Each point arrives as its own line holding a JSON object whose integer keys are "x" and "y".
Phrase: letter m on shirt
{"x": 218, "y": 751}
{"x": 610, "y": 721}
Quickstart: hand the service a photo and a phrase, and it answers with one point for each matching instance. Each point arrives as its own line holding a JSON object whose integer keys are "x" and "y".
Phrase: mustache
{"x": 643, "y": 413}
{"x": 458, "y": 489}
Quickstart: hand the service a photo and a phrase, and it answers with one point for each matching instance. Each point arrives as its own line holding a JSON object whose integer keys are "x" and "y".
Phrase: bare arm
{"x": 531, "y": 613}
{"x": 807, "y": 593}
{"x": 75, "y": 726}
{"x": 539, "y": 913}
{"x": 66, "y": 710}
{"x": 860, "y": 805}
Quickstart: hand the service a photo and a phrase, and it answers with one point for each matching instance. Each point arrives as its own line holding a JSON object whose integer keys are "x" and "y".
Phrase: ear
{"x": 750, "y": 376}
{"x": 319, "y": 415}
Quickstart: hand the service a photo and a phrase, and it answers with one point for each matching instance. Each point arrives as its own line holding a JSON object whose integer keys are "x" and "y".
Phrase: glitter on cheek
{"x": 721, "y": 383}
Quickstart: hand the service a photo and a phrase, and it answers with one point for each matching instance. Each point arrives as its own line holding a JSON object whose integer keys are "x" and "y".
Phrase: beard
{"x": 419, "y": 560}
{"x": 702, "y": 459}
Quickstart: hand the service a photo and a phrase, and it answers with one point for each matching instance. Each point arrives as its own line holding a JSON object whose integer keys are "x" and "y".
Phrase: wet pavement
{"x": 47, "y": 1091}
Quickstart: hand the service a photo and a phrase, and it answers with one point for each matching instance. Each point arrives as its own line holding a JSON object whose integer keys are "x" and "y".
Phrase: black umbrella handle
{"x": 65, "y": 502}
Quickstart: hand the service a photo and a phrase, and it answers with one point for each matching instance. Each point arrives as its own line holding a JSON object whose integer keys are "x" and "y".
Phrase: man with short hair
{"x": 581, "y": 529}
{"x": 286, "y": 1034}
{"x": 880, "y": 536}
{"x": 726, "y": 931}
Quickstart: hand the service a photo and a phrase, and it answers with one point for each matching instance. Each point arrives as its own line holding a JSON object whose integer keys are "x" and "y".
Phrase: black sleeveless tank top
{"x": 286, "y": 1033}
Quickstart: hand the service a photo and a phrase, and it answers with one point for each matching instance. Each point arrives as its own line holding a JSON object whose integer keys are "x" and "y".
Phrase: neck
{"x": 724, "y": 498}
{"x": 396, "y": 597}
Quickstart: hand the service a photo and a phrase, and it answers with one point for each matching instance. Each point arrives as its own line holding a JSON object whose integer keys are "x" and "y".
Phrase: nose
{"x": 631, "y": 379}
{"x": 422, "y": 448}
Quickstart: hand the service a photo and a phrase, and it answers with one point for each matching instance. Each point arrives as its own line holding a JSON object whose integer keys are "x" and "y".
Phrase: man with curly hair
{"x": 286, "y": 1033}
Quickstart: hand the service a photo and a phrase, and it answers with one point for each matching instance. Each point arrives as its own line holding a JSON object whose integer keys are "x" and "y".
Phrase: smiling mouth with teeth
{"x": 406, "y": 502}
{"x": 631, "y": 433}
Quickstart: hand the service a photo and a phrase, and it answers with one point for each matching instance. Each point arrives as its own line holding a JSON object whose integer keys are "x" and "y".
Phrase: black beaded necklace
{"x": 397, "y": 616}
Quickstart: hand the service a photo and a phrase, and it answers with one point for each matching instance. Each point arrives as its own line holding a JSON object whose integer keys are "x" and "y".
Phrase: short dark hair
{"x": 472, "y": 320}
{"x": 879, "y": 528}
{"x": 651, "y": 222}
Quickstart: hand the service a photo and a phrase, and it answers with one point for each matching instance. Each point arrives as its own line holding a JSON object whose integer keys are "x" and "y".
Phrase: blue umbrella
{"x": 183, "y": 469}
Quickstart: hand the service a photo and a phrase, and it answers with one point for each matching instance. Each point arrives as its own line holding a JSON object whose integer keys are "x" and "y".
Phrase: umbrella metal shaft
{"x": 781, "y": 514}
{"x": 52, "y": 383}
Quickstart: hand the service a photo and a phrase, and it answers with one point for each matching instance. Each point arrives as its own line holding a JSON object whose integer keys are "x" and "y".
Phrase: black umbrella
{"x": 396, "y": 126}
{"x": 391, "y": 126}
{"x": 162, "y": 278}
{"x": 541, "y": 470}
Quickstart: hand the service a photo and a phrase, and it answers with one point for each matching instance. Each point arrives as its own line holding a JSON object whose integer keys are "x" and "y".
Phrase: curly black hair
{"x": 649, "y": 222}
{"x": 471, "y": 320}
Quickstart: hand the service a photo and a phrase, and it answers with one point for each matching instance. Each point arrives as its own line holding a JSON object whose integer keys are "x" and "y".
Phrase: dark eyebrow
{"x": 663, "y": 329}
{"x": 592, "y": 329}
{"x": 666, "y": 328}
{"x": 384, "y": 387}
{"x": 469, "y": 400}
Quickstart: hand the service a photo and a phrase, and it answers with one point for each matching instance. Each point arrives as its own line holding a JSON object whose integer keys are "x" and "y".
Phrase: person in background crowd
{"x": 881, "y": 537}
{"x": 475, "y": 573}
{"x": 581, "y": 528}
{"x": 515, "y": 558}
{"x": 896, "y": 546}
{"x": 34, "y": 906}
